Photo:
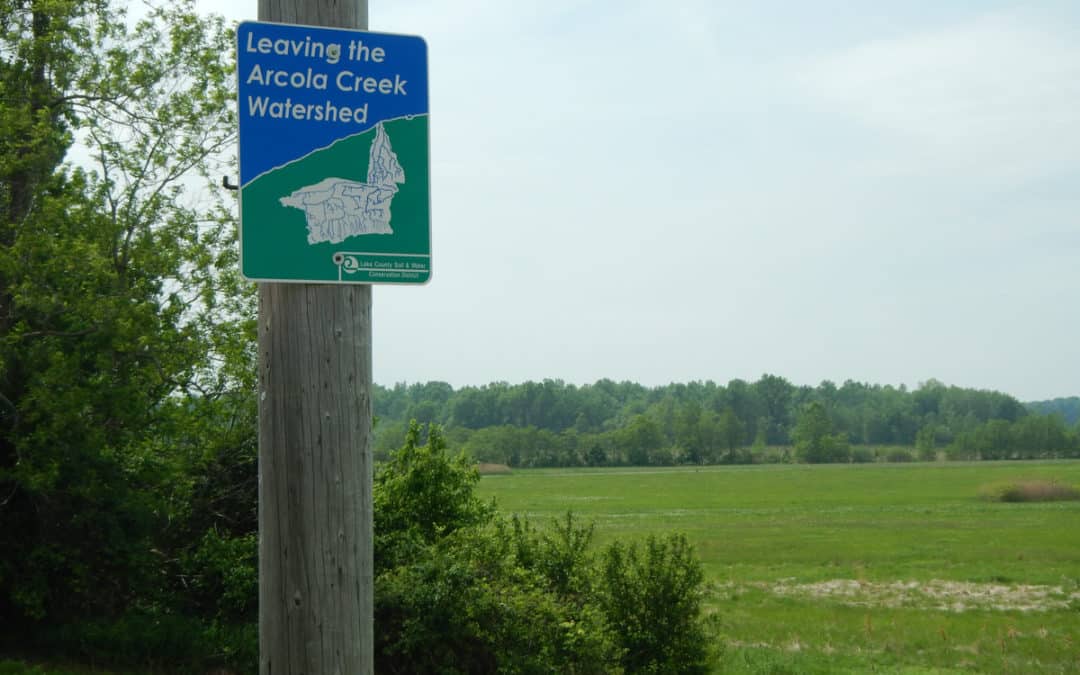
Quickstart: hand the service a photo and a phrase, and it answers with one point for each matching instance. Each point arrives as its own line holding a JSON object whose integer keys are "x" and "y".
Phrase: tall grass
{"x": 1029, "y": 491}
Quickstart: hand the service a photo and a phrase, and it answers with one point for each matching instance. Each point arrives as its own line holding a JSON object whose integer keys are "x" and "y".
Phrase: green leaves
{"x": 458, "y": 590}
{"x": 814, "y": 439}
{"x": 118, "y": 300}
{"x": 651, "y": 596}
{"x": 422, "y": 494}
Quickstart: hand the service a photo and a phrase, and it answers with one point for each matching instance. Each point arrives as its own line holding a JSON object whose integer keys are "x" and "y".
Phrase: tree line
{"x": 553, "y": 423}
{"x": 1068, "y": 408}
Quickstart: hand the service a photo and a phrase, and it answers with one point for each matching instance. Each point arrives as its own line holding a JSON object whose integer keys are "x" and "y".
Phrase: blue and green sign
{"x": 334, "y": 168}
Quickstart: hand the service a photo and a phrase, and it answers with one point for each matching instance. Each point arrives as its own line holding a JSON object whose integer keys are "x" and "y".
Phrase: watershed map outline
{"x": 336, "y": 208}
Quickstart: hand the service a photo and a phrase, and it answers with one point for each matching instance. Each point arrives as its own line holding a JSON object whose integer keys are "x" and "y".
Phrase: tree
{"x": 994, "y": 440}
{"x": 760, "y": 434}
{"x": 639, "y": 438}
{"x": 1068, "y": 408}
{"x": 1040, "y": 436}
{"x": 688, "y": 431}
{"x": 776, "y": 395}
{"x": 595, "y": 455}
{"x": 926, "y": 443}
{"x": 731, "y": 434}
{"x": 115, "y": 287}
{"x": 814, "y": 439}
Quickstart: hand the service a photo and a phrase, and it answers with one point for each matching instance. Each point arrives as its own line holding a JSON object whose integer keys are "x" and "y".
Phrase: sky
{"x": 706, "y": 190}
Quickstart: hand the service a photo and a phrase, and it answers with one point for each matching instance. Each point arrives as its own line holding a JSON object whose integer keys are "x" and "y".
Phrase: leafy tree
{"x": 815, "y": 441}
{"x": 776, "y": 395}
{"x": 1068, "y": 408}
{"x": 595, "y": 455}
{"x": 926, "y": 443}
{"x": 688, "y": 431}
{"x": 731, "y": 434}
{"x": 1037, "y": 436}
{"x": 116, "y": 289}
{"x": 639, "y": 438}
{"x": 760, "y": 435}
{"x": 743, "y": 398}
{"x": 994, "y": 440}
{"x": 928, "y": 397}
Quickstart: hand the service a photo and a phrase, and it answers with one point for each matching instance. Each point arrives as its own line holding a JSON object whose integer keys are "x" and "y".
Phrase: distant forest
{"x": 1068, "y": 408}
{"x": 552, "y": 423}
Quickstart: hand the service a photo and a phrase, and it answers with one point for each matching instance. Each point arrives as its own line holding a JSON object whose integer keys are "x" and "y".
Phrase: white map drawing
{"x": 337, "y": 209}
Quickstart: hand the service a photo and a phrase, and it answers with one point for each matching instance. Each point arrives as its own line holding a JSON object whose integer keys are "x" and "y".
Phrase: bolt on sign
{"x": 334, "y": 155}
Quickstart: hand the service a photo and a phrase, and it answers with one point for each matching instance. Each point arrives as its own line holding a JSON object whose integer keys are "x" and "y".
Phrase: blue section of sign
{"x": 303, "y": 87}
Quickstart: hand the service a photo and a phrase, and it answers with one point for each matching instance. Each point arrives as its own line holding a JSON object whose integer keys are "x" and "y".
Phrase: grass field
{"x": 852, "y": 568}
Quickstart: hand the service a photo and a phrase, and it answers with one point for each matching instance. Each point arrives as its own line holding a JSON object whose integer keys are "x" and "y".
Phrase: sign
{"x": 334, "y": 167}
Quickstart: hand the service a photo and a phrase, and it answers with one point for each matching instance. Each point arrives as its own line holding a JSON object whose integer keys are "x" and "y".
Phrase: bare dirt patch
{"x": 947, "y": 596}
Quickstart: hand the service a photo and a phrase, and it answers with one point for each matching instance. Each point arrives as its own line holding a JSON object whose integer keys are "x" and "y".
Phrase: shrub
{"x": 652, "y": 599}
{"x": 489, "y": 469}
{"x": 422, "y": 495}
{"x": 863, "y": 456}
{"x": 463, "y": 606}
{"x": 1029, "y": 491}
{"x": 899, "y": 456}
{"x": 16, "y": 668}
{"x": 738, "y": 456}
{"x": 223, "y": 576}
{"x": 560, "y": 556}
{"x": 455, "y": 592}
{"x": 160, "y": 641}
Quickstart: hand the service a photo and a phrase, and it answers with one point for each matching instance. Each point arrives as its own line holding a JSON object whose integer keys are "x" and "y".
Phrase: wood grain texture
{"x": 315, "y": 473}
{"x": 316, "y": 591}
{"x": 338, "y": 13}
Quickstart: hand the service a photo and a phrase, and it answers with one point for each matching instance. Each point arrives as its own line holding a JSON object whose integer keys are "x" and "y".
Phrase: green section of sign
{"x": 357, "y": 211}
{"x": 383, "y": 268}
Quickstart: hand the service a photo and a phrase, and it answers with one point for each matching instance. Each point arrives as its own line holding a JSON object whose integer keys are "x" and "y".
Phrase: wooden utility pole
{"x": 315, "y": 467}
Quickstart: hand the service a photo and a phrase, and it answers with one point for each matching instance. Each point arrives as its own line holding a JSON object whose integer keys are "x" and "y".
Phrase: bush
{"x": 17, "y": 668}
{"x": 488, "y": 469}
{"x": 1029, "y": 491}
{"x": 561, "y": 557}
{"x": 455, "y": 592}
{"x": 737, "y": 456}
{"x": 464, "y": 606}
{"x": 652, "y": 599}
{"x": 863, "y": 456}
{"x": 459, "y": 591}
{"x": 223, "y": 576}
{"x": 156, "y": 640}
{"x": 899, "y": 456}
{"x": 423, "y": 495}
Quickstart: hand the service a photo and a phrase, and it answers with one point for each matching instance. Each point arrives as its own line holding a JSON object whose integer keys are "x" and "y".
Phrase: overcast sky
{"x": 706, "y": 190}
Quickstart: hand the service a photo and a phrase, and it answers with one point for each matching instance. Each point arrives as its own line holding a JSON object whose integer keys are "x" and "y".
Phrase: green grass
{"x": 772, "y": 538}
